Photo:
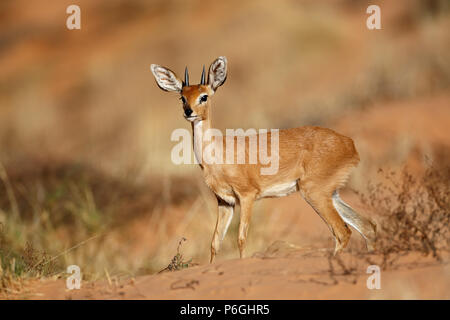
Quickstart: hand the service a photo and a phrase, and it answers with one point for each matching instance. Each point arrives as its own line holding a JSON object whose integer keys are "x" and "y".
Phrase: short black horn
{"x": 202, "y": 81}
{"x": 186, "y": 77}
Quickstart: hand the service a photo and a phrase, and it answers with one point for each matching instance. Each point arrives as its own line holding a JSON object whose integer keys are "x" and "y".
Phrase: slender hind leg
{"x": 363, "y": 225}
{"x": 320, "y": 190}
{"x": 321, "y": 202}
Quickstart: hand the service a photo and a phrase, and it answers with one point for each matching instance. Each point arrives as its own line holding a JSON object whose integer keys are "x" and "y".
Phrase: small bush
{"x": 413, "y": 213}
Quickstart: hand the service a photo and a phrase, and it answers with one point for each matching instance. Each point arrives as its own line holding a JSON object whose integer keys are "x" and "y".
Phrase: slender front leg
{"x": 246, "y": 213}
{"x": 224, "y": 216}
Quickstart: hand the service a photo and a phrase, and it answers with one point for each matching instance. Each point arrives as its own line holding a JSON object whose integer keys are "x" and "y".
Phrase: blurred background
{"x": 85, "y": 167}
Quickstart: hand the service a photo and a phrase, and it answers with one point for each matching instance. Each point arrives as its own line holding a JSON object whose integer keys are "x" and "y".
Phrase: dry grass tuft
{"x": 178, "y": 262}
{"x": 15, "y": 267}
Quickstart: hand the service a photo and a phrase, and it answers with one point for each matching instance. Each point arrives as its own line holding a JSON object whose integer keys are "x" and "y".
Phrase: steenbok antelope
{"x": 315, "y": 161}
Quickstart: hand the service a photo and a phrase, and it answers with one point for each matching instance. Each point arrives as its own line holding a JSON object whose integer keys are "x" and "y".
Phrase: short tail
{"x": 364, "y": 226}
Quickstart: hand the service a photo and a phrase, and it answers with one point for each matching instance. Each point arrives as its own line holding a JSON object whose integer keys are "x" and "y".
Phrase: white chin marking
{"x": 192, "y": 119}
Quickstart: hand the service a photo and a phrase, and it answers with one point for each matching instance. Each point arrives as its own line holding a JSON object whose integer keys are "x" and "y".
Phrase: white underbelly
{"x": 279, "y": 190}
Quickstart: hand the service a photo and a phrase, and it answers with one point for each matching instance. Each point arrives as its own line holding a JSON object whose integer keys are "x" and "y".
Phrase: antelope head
{"x": 196, "y": 98}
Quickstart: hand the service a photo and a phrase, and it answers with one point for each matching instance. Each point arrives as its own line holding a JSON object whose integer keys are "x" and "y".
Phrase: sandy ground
{"x": 282, "y": 272}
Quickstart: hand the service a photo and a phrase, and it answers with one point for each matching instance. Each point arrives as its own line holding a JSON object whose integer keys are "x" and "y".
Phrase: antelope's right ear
{"x": 166, "y": 79}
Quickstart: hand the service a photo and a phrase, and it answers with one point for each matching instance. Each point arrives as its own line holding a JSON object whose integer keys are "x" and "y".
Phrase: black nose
{"x": 188, "y": 112}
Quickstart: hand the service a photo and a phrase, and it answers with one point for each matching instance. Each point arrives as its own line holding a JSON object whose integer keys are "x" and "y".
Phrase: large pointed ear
{"x": 217, "y": 73}
{"x": 166, "y": 79}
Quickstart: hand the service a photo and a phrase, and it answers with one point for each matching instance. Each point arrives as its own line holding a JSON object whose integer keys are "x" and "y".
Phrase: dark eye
{"x": 183, "y": 99}
{"x": 204, "y": 98}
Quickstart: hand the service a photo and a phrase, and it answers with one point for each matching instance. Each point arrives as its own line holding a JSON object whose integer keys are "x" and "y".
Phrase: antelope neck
{"x": 199, "y": 127}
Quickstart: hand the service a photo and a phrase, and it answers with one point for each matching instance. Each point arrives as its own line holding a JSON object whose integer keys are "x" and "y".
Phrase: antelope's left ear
{"x": 217, "y": 73}
{"x": 166, "y": 78}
